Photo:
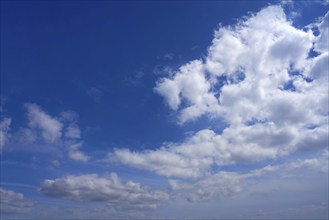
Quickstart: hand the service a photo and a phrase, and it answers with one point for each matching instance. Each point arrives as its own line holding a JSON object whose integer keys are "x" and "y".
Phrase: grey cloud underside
{"x": 111, "y": 190}
{"x": 259, "y": 78}
{"x": 13, "y": 202}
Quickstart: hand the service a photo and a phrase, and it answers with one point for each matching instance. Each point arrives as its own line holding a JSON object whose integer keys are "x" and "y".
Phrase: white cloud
{"x": 45, "y": 132}
{"x": 62, "y": 133}
{"x": 195, "y": 156}
{"x": 72, "y": 136}
{"x": 13, "y": 202}
{"x": 163, "y": 162}
{"x": 50, "y": 128}
{"x": 188, "y": 84}
{"x": 259, "y": 78}
{"x": 4, "y": 128}
{"x": 76, "y": 154}
{"x": 93, "y": 188}
{"x": 256, "y": 57}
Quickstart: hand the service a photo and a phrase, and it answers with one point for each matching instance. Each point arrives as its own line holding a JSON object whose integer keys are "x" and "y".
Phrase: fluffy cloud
{"x": 260, "y": 78}
{"x": 246, "y": 70}
{"x": 188, "y": 84}
{"x": 13, "y": 202}
{"x": 4, "y": 128}
{"x": 93, "y": 188}
{"x": 236, "y": 145}
{"x": 194, "y": 157}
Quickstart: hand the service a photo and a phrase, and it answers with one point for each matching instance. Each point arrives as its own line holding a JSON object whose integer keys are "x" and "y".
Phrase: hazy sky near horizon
{"x": 164, "y": 109}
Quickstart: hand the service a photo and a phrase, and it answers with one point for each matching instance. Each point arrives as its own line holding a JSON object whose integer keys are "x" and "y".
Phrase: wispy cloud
{"x": 225, "y": 184}
{"x": 49, "y": 127}
{"x": 4, "y": 131}
{"x": 60, "y": 132}
{"x": 95, "y": 94}
{"x": 136, "y": 79}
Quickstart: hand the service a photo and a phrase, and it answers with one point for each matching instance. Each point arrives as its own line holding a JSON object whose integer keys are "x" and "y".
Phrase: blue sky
{"x": 165, "y": 109}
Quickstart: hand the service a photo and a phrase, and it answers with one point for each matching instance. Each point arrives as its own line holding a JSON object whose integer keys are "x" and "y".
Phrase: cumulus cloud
{"x": 188, "y": 84}
{"x": 4, "y": 128}
{"x": 246, "y": 69}
{"x": 93, "y": 188}
{"x": 13, "y": 202}
{"x": 260, "y": 78}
